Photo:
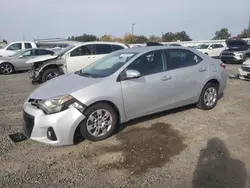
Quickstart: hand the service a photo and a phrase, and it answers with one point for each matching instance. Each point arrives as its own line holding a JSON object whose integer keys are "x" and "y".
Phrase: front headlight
{"x": 60, "y": 103}
{"x": 238, "y": 53}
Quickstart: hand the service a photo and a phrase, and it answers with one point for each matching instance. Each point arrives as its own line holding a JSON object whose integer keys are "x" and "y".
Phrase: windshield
{"x": 107, "y": 65}
{"x": 202, "y": 46}
{"x": 63, "y": 51}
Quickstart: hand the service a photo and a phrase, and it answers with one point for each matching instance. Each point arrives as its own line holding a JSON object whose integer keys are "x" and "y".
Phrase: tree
{"x": 221, "y": 34}
{"x": 168, "y": 37}
{"x": 182, "y": 36}
{"x": 173, "y": 37}
{"x": 141, "y": 39}
{"x": 108, "y": 38}
{"x": 154, "y": 38}
{"x": 244, "y": 34}
{"x": 84, "y": 38}
{"x": 129, "y": 38}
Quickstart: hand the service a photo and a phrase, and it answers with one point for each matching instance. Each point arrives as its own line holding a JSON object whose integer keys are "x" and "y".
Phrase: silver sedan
{"x": 121, "y": 86}
{"x": 17, "y": 61}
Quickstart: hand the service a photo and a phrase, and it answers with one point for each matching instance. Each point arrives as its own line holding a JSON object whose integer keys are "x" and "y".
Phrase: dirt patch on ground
{"x": 144, "y": 148}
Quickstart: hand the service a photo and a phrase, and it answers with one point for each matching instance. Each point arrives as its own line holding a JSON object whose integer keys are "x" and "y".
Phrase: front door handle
{"x": 202, "y": 69}
{"x": 165, "y": 78}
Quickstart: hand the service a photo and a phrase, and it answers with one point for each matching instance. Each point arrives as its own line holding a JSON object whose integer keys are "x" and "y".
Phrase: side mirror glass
{"x": 130, "y": 74}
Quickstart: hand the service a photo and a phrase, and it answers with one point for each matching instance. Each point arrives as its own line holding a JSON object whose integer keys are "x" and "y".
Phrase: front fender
{"x": 44, "y": 66}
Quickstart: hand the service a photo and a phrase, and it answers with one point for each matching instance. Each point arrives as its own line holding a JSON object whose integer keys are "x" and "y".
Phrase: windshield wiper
{"x": 87, "y": 74}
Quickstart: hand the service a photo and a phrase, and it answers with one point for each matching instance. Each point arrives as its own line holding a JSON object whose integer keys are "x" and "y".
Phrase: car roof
{"x": 150, "y": 48}
{"x": 37, "y": 49}
{"x": 100, "y": 42}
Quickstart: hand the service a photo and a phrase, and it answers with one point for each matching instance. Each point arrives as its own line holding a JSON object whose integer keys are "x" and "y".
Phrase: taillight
{"x": 223, "y": 65}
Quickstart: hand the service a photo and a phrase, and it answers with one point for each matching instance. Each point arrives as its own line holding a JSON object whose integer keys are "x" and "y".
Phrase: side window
{"x": 117, "y": 47}
{"x": 43, "y": 52}
{"x": 149, "y": 63}
{"x": 82, "y": 50}
{"x": 179, "y": 58}
{"x": 27, "y": 45}
{"x": 218, "y": 46}
{"x": 15, "y": 46}
{"x": 27, "y": 53}
{"x": 103, "y": 49}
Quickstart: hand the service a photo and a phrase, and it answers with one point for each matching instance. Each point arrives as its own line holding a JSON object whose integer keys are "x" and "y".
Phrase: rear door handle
{"x": 202, "y": 69}
{"x": 165, "y": 78}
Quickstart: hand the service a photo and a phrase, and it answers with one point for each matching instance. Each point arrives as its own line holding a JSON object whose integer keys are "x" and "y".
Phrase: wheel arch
{"x": 77, "y": 137}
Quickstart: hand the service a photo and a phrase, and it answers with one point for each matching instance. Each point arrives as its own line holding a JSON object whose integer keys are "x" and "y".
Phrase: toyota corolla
{"x": 121, "y": 86}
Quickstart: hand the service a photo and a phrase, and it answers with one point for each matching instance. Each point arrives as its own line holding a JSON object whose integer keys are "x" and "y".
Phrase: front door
{"x": 20, "y": 62}
{"x": 79, "y": 58}
{"x": 150, "y": 93}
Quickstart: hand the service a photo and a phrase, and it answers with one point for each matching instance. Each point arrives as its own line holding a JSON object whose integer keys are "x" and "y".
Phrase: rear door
{"x": 79, "y": 58}
{"x": 216, "y": 50}
{"x": 189, "y": 74}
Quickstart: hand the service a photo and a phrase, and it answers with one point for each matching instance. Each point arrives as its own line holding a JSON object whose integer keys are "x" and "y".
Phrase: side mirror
{"x": 210, "y": 48}
{"x": 130, "y": 74}
{"x": 20, "y": 56}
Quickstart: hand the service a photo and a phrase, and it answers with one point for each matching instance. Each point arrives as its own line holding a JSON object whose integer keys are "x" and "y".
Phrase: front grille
{"x": 227, "y": 54}
{"x": 34, "y": 102}
{"x": 28, "y": 124}
{"x": 247, "y": 69}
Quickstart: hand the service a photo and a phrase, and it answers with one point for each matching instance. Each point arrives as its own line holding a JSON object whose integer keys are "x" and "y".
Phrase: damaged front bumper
{"x": 34, "y": 75}
{"x": 244, "y": 72}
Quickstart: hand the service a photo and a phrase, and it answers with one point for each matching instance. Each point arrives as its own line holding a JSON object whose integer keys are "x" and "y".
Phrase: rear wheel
{"x": 209, "y": 96}
{"x": 6, "y": 68}
{"x": 100, "y": 122}
{"x": 49, "y": 74}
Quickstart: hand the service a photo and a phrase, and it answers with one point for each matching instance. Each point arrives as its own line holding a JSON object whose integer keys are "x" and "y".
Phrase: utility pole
{"x": 248, "y": 30}
{"x": 23, "y": 37}
{"x": 133, "y": 24}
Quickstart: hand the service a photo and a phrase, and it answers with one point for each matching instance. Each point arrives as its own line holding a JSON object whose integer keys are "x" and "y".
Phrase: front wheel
{"x": 50, "y": 74}
{"x": 100, "y": 122}
{"x": 209, "y": 97}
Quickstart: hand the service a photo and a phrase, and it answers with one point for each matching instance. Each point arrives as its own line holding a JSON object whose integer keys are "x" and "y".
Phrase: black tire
{"x": 50, "y": 71}
{"x": 201, "y": 103}
{"x": 4, "y": 67}
{"x": 83, "y": 126}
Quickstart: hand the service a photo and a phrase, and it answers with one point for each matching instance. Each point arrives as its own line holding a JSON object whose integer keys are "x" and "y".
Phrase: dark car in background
{"x": 237, "y": 52}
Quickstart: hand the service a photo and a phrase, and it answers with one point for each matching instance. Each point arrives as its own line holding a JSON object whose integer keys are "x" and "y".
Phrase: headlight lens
{"x": 60, "y": 103}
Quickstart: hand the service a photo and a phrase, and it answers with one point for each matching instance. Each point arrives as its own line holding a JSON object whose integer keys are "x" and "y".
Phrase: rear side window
{"x": 103, "y": 49}
{"x": 43, "y": 52}
{"x": 27, "y": 45}
{"x": 117, "y": 47}
{"x": 179, "y": 58}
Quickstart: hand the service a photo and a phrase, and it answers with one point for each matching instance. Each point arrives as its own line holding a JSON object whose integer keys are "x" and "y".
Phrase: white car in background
{"x": 13, "y": 47}
{"x": 213, "y": 50}
{"x": 70, "y": 59}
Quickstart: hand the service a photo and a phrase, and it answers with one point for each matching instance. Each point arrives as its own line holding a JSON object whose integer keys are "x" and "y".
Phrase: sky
{"x": 62, "y": 18}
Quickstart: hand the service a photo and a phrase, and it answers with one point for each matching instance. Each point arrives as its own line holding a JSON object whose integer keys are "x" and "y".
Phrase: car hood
{"x": 42, "y": 58}
{"x": 237, "y": 45}
{"x": 63, "y": 85}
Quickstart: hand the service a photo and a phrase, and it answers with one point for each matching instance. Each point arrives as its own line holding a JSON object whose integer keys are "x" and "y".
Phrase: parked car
{"x": 17, "y": 62}
{"x": 244, "y": 70}
{"x": 213, "y": 50}
{"x": 121, "y": 86}
{"x": 237, "y": 52}
{"x": 70, "y": 59}
{"x": 13, "y": 47}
